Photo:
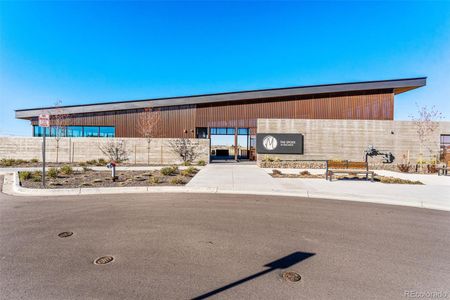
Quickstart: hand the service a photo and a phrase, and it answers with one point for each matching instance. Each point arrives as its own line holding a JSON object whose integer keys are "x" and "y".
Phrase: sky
{"x": 86, "y": 52}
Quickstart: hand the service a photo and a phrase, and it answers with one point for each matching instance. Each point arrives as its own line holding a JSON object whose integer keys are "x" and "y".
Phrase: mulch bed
{"x": 377, "y": 178}
{"x": 90, "y": 178}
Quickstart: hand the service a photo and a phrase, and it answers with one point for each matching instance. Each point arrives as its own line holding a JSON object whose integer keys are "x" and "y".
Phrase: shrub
{"x": 384, "y": 179}
{"x": 305, "y": 173}
{"x": 34, "y": 160}
{"x": 66, "y": 170}
{"x": 36, "y": 176}
{"x": 115, "y": 150}
{"x": 189, "y": 171}
{"x": 52, "y": 172}
{"x": 155, "y": 180}
{"x": 5, "y": 162}
{"x": 102, "y": 161}
{"x": 267, "y": 159}
{"x": 432, "y": 168}
{"x": 82, "y": 164}
{"x": 276, "y": 172}
{"x": 91, "y": 162}
{"x": 177, "y": 180}
{"x": 404, "y": 168}
{"x": 169, "y": 171}
{"x": 24, "y": 175}
{"x": 201, "y": 163}
{"x": 186, "y": 163}
{"x": 185, "y": 148}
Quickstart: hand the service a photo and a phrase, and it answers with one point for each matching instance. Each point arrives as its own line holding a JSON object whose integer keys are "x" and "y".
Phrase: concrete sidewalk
{"x": 234, "y": 177}
{"x": 250, "y": 179}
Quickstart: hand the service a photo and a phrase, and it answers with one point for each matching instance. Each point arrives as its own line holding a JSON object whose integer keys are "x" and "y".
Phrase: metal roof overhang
{"x": 397, "y": 85}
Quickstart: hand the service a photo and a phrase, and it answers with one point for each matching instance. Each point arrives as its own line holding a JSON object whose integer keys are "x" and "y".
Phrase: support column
{"x": 235, "y": 144}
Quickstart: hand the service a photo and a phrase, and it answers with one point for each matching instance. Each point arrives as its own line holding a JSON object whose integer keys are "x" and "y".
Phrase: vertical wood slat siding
{"x": 175, "y": 120}
{"x": 370, "y": 106}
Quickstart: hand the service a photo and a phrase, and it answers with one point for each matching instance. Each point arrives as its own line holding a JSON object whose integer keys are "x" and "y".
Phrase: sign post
{"x": 44, "y": 122}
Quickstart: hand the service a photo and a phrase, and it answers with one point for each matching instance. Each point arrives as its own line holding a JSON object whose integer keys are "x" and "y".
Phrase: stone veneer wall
{"x": 347, "y": 139}
{"x": 83, "y": 149}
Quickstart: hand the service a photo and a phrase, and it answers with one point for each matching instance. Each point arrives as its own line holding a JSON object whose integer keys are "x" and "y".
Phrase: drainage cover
{"x": 65, "y": 234}
{"x": 291, "y": 276}
{"x": 103, "y": 260}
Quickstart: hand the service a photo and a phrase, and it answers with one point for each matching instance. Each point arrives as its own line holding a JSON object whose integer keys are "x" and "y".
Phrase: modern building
{"x": 229, "y": 119}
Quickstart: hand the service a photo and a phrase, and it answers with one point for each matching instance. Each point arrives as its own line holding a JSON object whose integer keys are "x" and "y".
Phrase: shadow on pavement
{"x": 282, "y": 263}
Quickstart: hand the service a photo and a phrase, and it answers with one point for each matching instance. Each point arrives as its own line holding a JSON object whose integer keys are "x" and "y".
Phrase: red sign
{"x": 44, "y": 120}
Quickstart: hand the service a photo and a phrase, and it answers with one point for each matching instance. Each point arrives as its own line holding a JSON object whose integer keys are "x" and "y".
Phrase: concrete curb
{"x": 12, "y": 187}
{"x": 95, "y": 168}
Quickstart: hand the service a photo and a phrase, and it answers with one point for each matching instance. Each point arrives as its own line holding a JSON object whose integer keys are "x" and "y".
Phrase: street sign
{"x": 44, "y": 120}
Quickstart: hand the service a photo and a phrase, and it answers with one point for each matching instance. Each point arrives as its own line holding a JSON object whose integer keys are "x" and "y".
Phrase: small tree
{"x": 58, "y": 124}
{"x": 148, "y": 126}
{"x": 426, "y": 124}
{"x": 114, "y": 150}
{"x": 185, "y": 149}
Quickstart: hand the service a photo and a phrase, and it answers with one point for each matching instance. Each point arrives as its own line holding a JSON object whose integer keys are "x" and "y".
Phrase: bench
{"x": 443, "y": 171}
{"x": 348, "y": 167}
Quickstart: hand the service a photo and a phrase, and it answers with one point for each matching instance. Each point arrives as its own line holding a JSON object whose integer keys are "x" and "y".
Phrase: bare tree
{"x": 148, "y": 126}
{"x": 185, "y": 148}
{"x": 115, "y": 150}
{"x": 426, "y": 124}
{"x": 58, "y": 124}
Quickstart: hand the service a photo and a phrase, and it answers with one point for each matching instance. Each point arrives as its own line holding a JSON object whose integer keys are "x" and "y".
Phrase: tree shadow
{"x": 282, "y": 263}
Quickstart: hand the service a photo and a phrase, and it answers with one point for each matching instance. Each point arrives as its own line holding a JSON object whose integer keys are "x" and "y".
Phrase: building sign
{"x": 279, "y": 143}
{"x": 44, "y": 120}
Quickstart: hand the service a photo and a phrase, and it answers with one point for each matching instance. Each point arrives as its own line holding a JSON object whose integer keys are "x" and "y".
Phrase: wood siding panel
{"x": 175, "y": 120}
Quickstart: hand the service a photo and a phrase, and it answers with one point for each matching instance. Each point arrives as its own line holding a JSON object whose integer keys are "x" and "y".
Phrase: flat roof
{"x": 397, "y": 85}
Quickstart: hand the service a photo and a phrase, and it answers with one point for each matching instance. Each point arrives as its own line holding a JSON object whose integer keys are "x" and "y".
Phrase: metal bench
{"x": 348, "y": 167}
{"x": 443, "y": 171}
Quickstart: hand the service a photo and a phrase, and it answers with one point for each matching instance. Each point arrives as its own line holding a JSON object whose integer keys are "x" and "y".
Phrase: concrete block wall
{"x": 83, "y": 149}
{"x": 347, "y": 139}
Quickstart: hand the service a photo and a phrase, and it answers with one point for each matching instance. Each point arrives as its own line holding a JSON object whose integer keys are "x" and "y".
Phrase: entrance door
{"x": 228, "y": 143}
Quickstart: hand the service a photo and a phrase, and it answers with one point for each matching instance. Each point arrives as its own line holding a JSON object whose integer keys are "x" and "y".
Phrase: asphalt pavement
{"x": 218, "y": 246}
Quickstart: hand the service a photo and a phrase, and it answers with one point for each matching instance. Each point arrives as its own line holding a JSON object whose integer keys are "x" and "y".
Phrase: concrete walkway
{"x": 234, "y": 177}
{"x": 250, "y": 179}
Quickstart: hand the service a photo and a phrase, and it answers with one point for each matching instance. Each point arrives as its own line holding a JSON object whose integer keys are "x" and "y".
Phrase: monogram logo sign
{"x": 279, "y": 143}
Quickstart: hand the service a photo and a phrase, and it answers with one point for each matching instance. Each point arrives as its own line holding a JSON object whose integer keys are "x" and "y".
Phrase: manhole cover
{"x": 103, "y": 260}
{"x": 65, "y": 234}
{"x": 291, "y": 276}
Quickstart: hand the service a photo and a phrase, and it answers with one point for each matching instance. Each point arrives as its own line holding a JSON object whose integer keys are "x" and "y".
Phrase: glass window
{"x": 38, "y": 131}
{"x": 243, "y": 131}
{"x": 202, "y": 132}
{"x": 107, "y": 131}
{"x": 445, "y": 148}
{"x": 221, "y": 131}
{"x": 213, "y": 131}
{"x": 57, "y": 131}
{"x": 75, "y": 131}
{"x": 231, "y": 131}
{"x": 90, "y": 131}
